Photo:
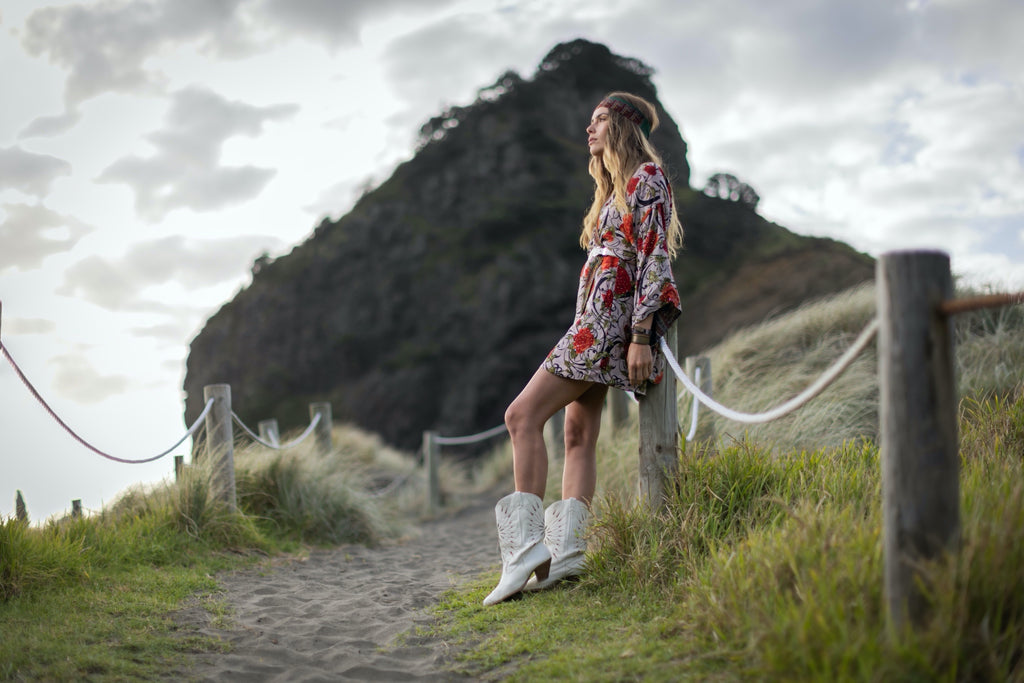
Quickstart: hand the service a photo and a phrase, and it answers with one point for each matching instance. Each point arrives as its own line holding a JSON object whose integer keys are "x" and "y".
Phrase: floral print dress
{"x": 627, "y": 277}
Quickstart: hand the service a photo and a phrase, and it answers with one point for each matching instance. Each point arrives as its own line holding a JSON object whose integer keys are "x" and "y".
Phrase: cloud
{"x": 28, "y": 326}
{"x": 31, "y": 232}
{"x": 334, "y": 23}
{"x": 105, "y": 46}
{"x": 118, "y": 284}
{"x": 185, "y": 171}
{"x": 79, "y": 381}
{"x": 46, "y": 126}
{"x": 29, "y": 172}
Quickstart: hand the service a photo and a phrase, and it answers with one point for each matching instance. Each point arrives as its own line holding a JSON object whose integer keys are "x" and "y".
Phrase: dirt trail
{"x": 338, "y": 615}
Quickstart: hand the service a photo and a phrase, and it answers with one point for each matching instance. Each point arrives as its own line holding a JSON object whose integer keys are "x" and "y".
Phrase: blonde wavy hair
{"x": 625, "y": 149}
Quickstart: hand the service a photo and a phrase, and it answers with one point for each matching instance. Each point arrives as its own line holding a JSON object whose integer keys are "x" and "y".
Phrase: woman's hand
{"x": 640, "y": 363}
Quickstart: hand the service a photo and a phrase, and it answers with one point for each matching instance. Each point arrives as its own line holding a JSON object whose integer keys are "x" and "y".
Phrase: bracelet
{"x": 642, "y": 330}
{"x": 640, "y": 339}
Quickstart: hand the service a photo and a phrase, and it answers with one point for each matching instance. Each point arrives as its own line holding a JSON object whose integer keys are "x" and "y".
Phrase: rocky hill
{"x": 435, "y": 298}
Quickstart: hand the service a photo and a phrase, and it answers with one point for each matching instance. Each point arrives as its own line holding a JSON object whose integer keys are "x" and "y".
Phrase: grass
{"x": 92, "y": 598}
{"x": 766, "y": 562}
{"x": 764, "y": 565}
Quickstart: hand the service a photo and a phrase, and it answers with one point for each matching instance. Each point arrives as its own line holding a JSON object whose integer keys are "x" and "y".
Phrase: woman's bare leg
{"x": 543, "y": 396}
{"x": 582, "y": 426}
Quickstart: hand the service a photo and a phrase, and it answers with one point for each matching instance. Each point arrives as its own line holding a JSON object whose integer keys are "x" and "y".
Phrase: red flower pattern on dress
{"x": 614, "y": 291}
{"x": 669, "y": 295}
{"x": 623, "y": 283}
{"x": 583, "y": 340}
{"x": 651, "y": 242}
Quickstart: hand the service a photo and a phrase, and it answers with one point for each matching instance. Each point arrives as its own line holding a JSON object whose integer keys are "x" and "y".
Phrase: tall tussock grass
{"x": 284, "y": 499}
{"x": 316, "y": 498}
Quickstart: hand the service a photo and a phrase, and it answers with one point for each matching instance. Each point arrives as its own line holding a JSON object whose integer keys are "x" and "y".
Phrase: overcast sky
{"x": 150, "y": 151}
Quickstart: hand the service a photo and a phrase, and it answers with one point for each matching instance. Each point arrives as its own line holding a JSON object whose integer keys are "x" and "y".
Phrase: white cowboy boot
{"x": 565, "y": 525}
{"x": 520, "y": 532}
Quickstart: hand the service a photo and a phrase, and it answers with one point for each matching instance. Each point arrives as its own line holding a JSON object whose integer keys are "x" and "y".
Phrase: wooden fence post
{"x": 269, "y": 431}
{"x": 220, "y": 444}
{"x": 918, "y": 424}
{"x": 431, "y": 456}
{"x": 20, "y": 511}
{"x": 704, "y": 363}
{"x": 179, "y": 467}
{"x": 556, "y": 435}
{"x": 322, "y": 433}
{"x": 659, "y": 437}
{"x": 618, "y": 408}
{"x": 76, "y": 508}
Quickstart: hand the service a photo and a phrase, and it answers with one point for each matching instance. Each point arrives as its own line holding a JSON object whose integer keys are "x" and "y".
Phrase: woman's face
{"x": 597, "y": 131}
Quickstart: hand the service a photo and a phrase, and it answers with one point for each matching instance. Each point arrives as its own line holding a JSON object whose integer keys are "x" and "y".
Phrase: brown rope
{"x": 975, "y": 303}
{"x": 28, "y": 385}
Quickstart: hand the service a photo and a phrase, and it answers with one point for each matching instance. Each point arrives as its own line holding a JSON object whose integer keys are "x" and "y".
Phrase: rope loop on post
{"x": 277, "y": 447}
{"x": 788, "y": 407}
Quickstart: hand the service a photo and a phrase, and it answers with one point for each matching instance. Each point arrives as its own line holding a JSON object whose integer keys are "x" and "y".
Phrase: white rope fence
{"x": 789, "y": 406}
{"x": 472, "y": 438}
{"x": 693, "y": 411}
{"x": 277, "y": 447}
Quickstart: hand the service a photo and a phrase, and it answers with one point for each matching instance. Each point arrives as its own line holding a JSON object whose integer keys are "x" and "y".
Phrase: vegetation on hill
{"x": 432, "y": 301}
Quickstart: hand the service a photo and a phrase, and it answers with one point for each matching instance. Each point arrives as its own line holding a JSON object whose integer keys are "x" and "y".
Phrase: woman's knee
{"x": 517, "y": 417}
{"x": 579, "y": 432}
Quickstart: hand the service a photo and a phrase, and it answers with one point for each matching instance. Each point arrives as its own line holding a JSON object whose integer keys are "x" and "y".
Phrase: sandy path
{"x": 338, "y": 615}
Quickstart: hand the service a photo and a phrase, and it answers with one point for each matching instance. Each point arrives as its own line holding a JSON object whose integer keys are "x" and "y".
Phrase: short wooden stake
{"x": 618, "y": 408}
{"x": 659, "y": 438}
{"x": 76, "y": 508}
{"x": 220, "y": 444}
{"x": 918, "y": 421}
{"x": 179, "y": 467}
{"x": 269, "y": 431}
{"x": 20, "y": 511}
{"x": 322, "y": 433}
{"x": 556, "y": 435}
{"x": 431, "y": 458}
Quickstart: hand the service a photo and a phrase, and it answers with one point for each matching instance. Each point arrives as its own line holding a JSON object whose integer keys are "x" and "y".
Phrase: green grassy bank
{"x": 93, "y": 598}
{"x": 766, "y": 563}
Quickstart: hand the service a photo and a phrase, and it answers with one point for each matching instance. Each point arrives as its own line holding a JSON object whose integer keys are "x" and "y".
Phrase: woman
{"x": 627, "y": 299}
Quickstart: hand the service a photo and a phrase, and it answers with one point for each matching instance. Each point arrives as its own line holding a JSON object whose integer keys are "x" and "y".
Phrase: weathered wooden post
{"x": 322, "y": 433}
{"x": 918, "y": 421}
{"x": 659, "y": 437}
{"x": 179, "y": 467}
{"x": 618, "y": 408}
{"x": 703, "y": 363}
{"x": 269, "y": 431}
{"x": 76, "y": 508}
{"x": 556, "y": 435}
{"x": 20, "y": 511}
{"x": 431, "y": 458}
{"x": 220, "y": 444}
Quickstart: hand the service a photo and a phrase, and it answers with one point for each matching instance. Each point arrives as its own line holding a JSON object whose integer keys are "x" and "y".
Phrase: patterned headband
{"x": 626, "y": 109}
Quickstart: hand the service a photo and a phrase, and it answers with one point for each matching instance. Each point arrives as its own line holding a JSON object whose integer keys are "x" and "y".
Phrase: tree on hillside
{"x": 729, "y": 187}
